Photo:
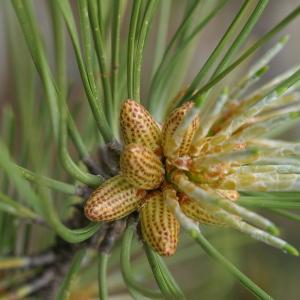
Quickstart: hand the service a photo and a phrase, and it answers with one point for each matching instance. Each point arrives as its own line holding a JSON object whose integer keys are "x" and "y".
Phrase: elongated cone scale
{"x": 114, "y": 199}
{"x": 173, "y": 121}
{"x": 194, "y": 210}
{"x": 138, "y": 126}
{"x": 141, "y": 167}
{"x": 160, "y": 229}
{"x": 228, "y": 194}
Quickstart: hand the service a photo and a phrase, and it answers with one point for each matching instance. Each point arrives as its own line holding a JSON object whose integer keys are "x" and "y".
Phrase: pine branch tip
{"x": 290, "y": 250}
{"x": 273, "y": 230}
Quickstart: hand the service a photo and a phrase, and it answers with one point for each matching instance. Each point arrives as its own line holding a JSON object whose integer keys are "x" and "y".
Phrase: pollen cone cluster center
{"x": 180, "y": 162}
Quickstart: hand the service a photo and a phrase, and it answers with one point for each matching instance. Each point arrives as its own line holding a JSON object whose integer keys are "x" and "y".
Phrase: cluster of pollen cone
{"x": 196, "y": 171}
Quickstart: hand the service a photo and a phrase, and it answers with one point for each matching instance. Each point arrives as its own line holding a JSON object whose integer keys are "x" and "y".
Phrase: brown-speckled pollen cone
{"x": 174, "y": 119}
{"x": 160, "y": 229}
{"x": 194, "y": 210}
{"x": 138, "y": 126}
{"x": 141, "y": 167}
{"x": 114, "y": 199}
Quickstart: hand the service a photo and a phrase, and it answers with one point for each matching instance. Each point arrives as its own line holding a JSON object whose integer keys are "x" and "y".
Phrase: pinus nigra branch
{"x": 90, "y": 162}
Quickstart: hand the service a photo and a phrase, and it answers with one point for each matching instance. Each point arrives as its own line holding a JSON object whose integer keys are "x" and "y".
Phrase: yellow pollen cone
{"x": 141, "y": 167}
{"x": 174, "y": 119}
{"x": 160, "y": 229}
{"x": 138, "y": 126}
{"x": 114, "y": 199}
{"x": 194, "y": 210}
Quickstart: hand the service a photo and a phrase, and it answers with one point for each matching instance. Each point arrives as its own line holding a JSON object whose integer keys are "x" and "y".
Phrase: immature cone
{"x": 194, "y": 210}
{"x": 138, "y": 126}
{"x": 173, "y": 121}
{"x": 141, "y": 167}
{"x": 114, "y": 199}
{"x": 160, "y": 229}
